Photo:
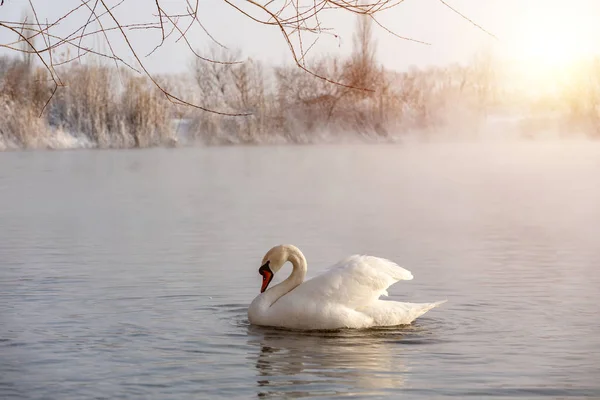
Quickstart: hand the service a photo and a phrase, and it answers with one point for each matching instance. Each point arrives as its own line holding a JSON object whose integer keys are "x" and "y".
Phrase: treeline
{"x": 96, "y": 107}
{"x": 289, "y": 105}
{"x": 99, "y": 106}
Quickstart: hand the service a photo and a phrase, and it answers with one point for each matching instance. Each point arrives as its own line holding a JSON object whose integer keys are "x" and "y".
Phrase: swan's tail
{"x": 421, "y": 308}
{"x": 391, "y": 313}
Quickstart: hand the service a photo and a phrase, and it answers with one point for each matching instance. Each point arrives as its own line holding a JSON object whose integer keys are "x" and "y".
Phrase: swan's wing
{"x": 354, "y": 282}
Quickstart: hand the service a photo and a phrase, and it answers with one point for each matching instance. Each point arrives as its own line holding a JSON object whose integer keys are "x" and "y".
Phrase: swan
{"x": 345, "y": 296}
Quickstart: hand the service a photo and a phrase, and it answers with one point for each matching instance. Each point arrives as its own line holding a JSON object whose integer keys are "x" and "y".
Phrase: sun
{"x": 546, "y": 43}
{"x": 553, "y": 36}
{"x": 549, "y": 48}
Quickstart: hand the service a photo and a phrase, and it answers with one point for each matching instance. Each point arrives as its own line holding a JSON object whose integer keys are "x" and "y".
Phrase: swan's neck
{"x": 296, "y": 278}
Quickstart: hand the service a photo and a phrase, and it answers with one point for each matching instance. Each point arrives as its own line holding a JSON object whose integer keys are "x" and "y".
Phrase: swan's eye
{"x": 265, "y": 267}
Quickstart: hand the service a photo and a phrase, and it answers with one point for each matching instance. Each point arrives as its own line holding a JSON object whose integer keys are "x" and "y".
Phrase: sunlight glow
{"x": 554, "y": 36}
{"x": 546, "y": 43}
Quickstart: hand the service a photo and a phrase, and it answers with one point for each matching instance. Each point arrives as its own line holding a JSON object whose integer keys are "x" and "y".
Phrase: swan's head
{"x": 271, "y": 263}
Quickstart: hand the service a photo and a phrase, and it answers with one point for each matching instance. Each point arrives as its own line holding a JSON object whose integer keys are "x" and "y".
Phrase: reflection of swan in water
{"x": 345, "y": 296}
{"x": 299, "y": 364}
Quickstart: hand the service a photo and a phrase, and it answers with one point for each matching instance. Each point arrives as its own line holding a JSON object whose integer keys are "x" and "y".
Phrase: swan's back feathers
{"x": 354, "y": 282}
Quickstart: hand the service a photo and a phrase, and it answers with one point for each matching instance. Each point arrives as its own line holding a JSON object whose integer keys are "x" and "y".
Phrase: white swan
{"x": 345, "y": 296}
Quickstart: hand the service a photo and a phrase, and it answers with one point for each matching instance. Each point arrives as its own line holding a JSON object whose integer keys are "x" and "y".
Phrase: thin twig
{"x": 468, "y": 19}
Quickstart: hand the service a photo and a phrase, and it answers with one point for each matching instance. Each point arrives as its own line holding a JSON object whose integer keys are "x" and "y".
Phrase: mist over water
{"x": 128, "y": 273}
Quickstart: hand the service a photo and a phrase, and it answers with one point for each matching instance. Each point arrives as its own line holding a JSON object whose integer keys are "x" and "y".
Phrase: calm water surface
{"x": 126, "y": 274}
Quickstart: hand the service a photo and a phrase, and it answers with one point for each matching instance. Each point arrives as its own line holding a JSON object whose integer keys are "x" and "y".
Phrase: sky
{"x": 533, "y": 30}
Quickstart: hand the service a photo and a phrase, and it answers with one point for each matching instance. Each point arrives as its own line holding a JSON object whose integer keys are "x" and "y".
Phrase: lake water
{"x": 127, "y": 274}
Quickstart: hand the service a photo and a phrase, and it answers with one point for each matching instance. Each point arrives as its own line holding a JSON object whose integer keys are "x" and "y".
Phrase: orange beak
{"x": 267, "y": 275}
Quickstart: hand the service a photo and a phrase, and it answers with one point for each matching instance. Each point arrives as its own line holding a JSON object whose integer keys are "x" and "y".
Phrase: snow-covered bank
{"x": 494, "y": 129}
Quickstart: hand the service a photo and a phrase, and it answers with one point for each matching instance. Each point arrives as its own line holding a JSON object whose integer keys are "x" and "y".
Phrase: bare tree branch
{"x": 295, "y": 20}
{"x": 171, "y": 97}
